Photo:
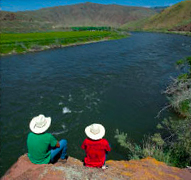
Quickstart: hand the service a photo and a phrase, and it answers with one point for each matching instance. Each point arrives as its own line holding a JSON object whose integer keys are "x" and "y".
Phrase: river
{"x": 116, "y": 83}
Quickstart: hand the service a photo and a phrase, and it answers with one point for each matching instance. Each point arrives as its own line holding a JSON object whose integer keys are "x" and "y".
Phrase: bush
{"x": 177, "y": 140}
{"x": 179, "y": 92}
{"x": 147, "y": 148}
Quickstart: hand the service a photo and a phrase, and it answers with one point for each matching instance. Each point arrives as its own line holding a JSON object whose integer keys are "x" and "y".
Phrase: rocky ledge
{"x": 73, "y": 169}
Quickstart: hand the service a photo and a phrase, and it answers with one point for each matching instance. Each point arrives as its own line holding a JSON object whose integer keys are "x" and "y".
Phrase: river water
{"x": 116, "y": 83}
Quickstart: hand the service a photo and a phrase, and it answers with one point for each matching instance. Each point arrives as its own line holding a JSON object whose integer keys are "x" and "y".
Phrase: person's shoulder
{"x": 48, "y": 137}
{"x": 31, "y": 134}
{"x": 86, "y": 140}
{"x": 47, "y": 134}
{"x": 104, "y": 140}
{"x": 89, "y": 141}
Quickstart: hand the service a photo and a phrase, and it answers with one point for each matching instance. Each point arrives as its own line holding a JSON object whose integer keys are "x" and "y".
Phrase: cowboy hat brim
{"x": 98, "y": 136}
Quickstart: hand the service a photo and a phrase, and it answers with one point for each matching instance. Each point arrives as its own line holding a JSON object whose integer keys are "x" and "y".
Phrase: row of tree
{"x": 91, "y": 28}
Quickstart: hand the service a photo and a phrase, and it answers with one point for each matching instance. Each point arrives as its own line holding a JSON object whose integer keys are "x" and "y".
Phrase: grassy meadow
{"x": 26, "y": 42}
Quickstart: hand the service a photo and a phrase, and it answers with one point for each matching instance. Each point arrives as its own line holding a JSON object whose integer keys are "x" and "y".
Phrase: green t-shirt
{"x": 38, "y": 147}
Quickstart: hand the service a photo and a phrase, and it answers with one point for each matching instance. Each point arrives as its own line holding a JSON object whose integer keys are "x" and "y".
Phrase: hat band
{"x": 95, "y": 131}
{"x": 40, "y": 125}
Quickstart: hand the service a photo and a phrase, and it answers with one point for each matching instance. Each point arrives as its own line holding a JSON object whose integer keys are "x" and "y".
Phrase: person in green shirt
{"x": 43, "y": 148}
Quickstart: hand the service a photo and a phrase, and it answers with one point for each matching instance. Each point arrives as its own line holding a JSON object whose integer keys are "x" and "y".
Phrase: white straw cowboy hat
{"x": 40, "y": 124}
{"x": 95, "y": 131}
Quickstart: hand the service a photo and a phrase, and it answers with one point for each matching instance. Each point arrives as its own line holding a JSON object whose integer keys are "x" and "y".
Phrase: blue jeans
{"x": 106, "y": 154}
{"x": 60, "y": 152}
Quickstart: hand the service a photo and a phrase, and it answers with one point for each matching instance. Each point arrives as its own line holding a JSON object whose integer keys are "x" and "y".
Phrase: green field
{"x": 19, "y": 43}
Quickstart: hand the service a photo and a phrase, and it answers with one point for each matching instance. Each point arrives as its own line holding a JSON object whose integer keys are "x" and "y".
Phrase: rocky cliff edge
{"x": 73, "y": 169}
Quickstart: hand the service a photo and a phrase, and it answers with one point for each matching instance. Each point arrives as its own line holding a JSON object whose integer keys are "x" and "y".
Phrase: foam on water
{"x": 70, "y": 98}
{"x": 63, "y": 126}
{"x": 61, "y": 132}
{"x": 60, "y": 103}
{"x": 66, "y": 110}
{"x": 79, "y": 111}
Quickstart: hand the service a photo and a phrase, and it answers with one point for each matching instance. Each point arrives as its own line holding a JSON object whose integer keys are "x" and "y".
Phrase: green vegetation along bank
{"x": 30, "y": 42}
{"x": 172, "y": 144}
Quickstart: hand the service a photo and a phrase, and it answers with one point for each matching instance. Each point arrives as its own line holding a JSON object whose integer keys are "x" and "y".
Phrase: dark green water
{"x": 117, "y": 83}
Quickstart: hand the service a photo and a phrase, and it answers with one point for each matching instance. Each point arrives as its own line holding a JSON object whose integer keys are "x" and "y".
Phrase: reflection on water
{"x": 117, "y": 83}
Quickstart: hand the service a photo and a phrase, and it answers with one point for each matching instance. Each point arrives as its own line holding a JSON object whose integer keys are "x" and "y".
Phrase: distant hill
{"x": 159, "y": 8}
{"x": 177, "y": 15}
{"x": 85, "y": 14}
{"x": 174, "y": 18}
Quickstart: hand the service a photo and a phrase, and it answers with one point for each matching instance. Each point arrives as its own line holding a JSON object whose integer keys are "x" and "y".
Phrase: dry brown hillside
{"x": 85, "y": 14}
{"x": 176, "y": 15}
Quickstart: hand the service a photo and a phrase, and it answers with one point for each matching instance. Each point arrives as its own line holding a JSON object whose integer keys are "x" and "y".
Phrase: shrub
{"x": 179, "y": 92}
{"x": 147, "y": 148}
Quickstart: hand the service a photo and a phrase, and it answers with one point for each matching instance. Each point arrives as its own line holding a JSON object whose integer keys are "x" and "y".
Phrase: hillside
{"x": 85, "y": 14}
{"x": 145, "y": 169}
{"x": 176, "y": 17}
{"x": 186, "y": 27}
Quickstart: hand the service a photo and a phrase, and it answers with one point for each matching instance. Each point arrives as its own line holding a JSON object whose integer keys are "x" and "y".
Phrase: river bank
{"x": 184, "y": 33}
{"x": 43, "y": 48}
{"x": 33, "y": 42}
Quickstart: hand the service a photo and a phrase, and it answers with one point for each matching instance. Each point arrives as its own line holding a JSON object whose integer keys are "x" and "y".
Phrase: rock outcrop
{"x": 73, "y": 169}
{"x": 182, "y": 28}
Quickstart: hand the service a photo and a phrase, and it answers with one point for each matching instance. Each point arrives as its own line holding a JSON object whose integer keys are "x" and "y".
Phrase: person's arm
{"x": 108, "y": 148}
{"x": 57, "y": 144}
{"x": 53, "y": 141}
{"x": 83, "y": 145}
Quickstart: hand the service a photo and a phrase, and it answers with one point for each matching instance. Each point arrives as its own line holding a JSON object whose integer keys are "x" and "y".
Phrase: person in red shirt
{"x": 95, "y": 146}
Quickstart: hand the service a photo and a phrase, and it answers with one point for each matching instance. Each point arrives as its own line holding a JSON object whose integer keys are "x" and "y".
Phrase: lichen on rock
{"x": 73, "y": 169}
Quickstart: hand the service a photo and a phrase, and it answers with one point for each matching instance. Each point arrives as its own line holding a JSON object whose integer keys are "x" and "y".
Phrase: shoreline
{"x": 43, "y": 48}
{"x": 38, "y": 48}
{"x": 52, "y": 46}
{"x": 183, "y": 33}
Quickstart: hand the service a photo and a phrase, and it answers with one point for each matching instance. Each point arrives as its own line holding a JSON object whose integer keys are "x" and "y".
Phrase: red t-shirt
{"x": 95, "y": 152}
